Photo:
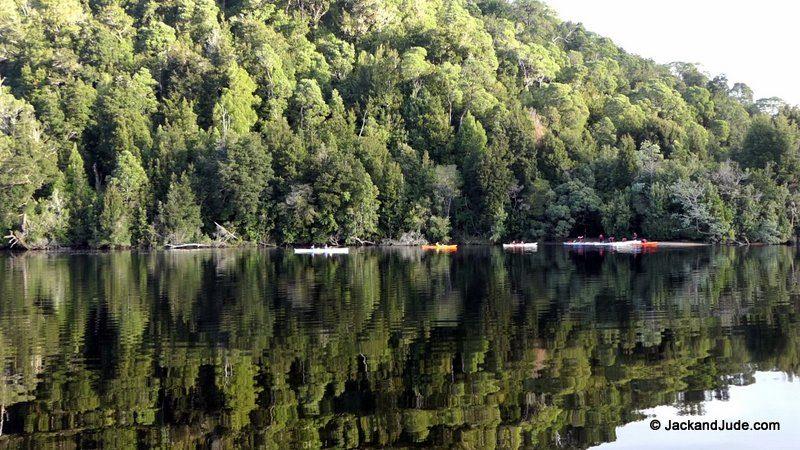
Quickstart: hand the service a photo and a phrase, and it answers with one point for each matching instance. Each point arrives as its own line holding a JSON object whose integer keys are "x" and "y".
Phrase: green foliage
{"x": 439, "y": 229}
{"x": 575, "y": 209}
{"x": 47, "y": 222}
{"x": 446, "y": 188}
{"x": 414, "y": 66}
{"x": 700, "y": 210}
{"x": 179, "y": 216}
{"x": 290, "y": 117}
{"x": 308, "y": 105}
{"x": 563, "y": 106}
{"x": 234, "y": 111}
{"x": 618, "y": 215}
{"x": 26, "y": 163}
{"x": 80, "y": 200}
{"x": 771, "y": 142}
{"x": 297, "y": 214}
{"x": 626, "y": 117}
{"x": 347, "y": 201}
{"x": 122, "y": 220}
{"x": 494, "y": 179}
{"x": 122, "y": 118}
{"x": 179, "y": 142}
{"x": 243, "y": 173}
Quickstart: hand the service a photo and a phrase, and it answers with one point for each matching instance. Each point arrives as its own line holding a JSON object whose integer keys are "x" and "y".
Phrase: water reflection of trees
{"x": 480, "y": 348}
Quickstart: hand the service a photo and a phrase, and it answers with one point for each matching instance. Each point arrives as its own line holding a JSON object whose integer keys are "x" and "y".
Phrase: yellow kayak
{"x": 441, "y": 248}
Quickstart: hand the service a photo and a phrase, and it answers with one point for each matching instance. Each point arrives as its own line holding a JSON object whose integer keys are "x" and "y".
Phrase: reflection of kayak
{"x": 441, "y": 248}
{"x": 322, "y": 251}
{"x": 522, "y": 246}
{"x": 621, "y": 244}
{"x": 630, "y": 249}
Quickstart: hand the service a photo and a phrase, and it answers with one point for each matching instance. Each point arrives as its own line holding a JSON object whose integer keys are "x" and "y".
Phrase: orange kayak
{"x": 441, "y": 248}
{"x": 649, "y": 244}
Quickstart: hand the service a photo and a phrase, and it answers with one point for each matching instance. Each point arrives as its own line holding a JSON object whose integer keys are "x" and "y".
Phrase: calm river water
{"x": 397, "y": 347}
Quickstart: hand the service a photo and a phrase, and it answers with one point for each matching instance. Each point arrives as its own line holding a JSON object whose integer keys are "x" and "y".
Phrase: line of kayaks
{"x": 511, "y": 246}
{"x": 435, "y": 247}
{"x": 346, "y": 250}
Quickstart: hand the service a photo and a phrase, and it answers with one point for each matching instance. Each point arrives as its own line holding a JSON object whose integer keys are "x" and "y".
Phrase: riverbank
{"x": 246, "y": 245}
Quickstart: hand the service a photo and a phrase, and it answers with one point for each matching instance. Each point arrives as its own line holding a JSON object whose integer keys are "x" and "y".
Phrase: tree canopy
{"x": 349, "y": 121}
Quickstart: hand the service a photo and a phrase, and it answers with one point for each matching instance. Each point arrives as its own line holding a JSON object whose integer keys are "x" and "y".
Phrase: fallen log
{"x": 16, "y": 239}
{"x": 223, "y": 234}
{"x": 363, "y": 241}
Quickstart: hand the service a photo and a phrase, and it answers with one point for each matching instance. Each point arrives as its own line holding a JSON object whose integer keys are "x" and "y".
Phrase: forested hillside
{"x": 143, "y": 122}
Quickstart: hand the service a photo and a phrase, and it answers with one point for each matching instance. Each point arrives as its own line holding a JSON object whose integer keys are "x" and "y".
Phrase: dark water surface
{"x": 476, "y": 349}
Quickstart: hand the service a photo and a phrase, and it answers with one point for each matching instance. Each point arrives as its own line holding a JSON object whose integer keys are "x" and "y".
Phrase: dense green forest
{"x": 143, "y": 122}
{"x": 254, "y": 348}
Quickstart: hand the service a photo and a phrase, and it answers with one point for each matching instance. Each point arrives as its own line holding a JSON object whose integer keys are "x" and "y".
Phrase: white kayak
{"x": 522, "y": 246}
{"x": 322, "y": 251}
{"x": 620, "y": 244}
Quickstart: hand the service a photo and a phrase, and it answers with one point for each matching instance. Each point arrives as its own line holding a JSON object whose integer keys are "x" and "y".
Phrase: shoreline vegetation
{"x": 150, "y": 124}
{"x": 249, "y": 245}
